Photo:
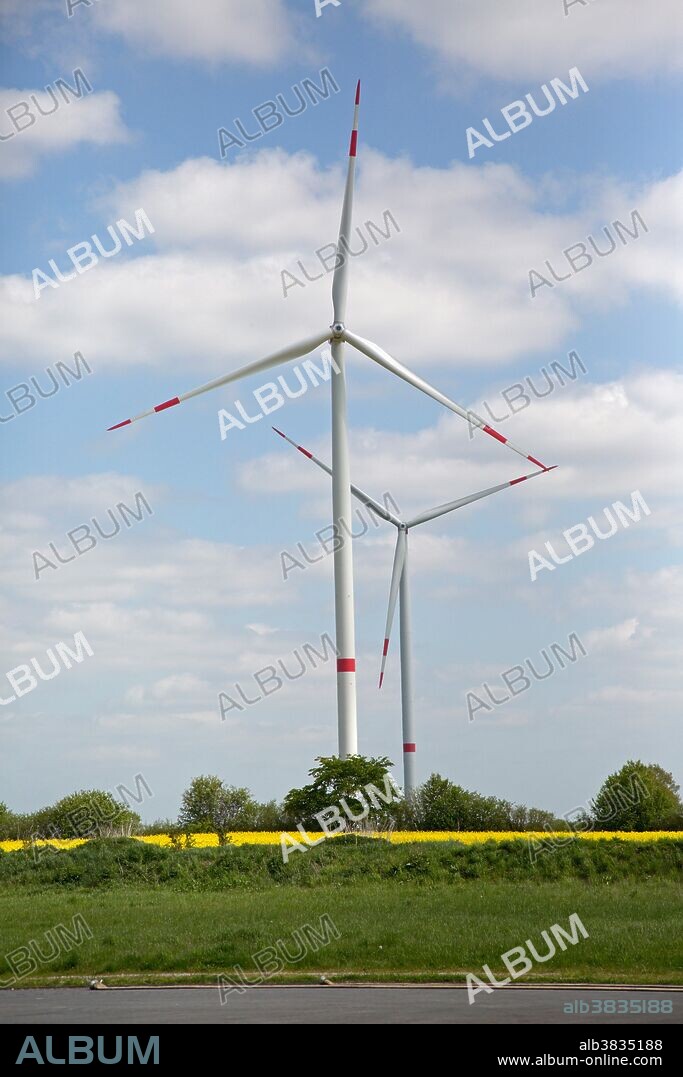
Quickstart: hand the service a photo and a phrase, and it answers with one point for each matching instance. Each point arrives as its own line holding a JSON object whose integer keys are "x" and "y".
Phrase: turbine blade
{"x": 370, "y": 502}
{"x": 396, "y": 573}
{"x": 441, "y": 510}
{"x": 294, "y": 351}
{"x": 389, "y": 363}
{"x": 340, "y": 281}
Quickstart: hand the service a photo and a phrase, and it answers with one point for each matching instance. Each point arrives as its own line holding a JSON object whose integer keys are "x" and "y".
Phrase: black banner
{"x": 497, "y": 1047}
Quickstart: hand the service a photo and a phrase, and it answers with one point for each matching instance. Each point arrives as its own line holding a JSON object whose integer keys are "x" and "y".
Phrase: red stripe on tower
{"x": 126, "y": 422}
{"x": 346, "y": 665}
{"x": 497, "y": 436}
{"x": 354, "y": 144}
{"x": 167, "y": 404}
{"x": 408, "y": 747}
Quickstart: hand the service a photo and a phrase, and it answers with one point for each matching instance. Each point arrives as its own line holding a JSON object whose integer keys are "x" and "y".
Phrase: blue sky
{"x": 189, "y": 601}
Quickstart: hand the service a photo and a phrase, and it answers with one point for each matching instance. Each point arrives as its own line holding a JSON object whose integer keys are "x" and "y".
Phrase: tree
{"x": 5, "y": 820}
{"x": 336, "y": 780}
{"x": 85, "y": 814}
{"x": 535, "y": 819}
{"x": 640, "y": 796}
{"x": 210, "y": 805}
{"x": 269, "y": 816}
{"x": 439, "y": 804}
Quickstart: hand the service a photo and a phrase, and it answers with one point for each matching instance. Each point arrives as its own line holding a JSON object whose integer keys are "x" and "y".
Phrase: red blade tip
{"x": 278, "y": 431}
{"x": 358, "y": 93}
{"x": 381, "y": 678}
{"x": 118, "y": 426}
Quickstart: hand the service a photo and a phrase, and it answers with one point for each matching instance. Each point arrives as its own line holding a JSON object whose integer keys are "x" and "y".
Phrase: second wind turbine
{"x": 400, "y": 589}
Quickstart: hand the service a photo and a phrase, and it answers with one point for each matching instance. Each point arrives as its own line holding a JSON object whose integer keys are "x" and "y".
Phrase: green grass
{"x": 410, "y": 931}
{"x": 404, "y": 912}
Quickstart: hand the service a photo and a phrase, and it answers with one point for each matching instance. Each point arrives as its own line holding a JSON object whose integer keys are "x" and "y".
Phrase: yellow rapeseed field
{"x": 268, "y": 837}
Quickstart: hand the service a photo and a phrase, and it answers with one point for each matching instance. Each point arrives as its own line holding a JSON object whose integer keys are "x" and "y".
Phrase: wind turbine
{"x": 338, "y": 335}
{"x": 400, "y": 590}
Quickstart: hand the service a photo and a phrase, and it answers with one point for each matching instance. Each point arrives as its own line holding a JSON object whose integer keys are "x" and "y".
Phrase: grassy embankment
{"x": 403, "y": 912}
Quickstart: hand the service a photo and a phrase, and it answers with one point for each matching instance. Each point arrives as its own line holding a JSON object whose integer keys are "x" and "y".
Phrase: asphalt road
{"x": 324, "y": 1005}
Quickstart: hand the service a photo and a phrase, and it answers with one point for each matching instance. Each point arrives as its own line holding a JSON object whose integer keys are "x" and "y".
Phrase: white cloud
{"x": 166, "y": 621}
{"x": 616, "y": 636}
{"x": 261, "y": 629}
{"x": 94, "y": 119}
{"x": 256, "y": 32}
{"x": 609, "y": 439}
{"x": 50, "y": 496}
{"x": 185, "y": 686}
{"x": 147, "y": 597}
{"x": 533, "y": 39}
{"x": 224, "y": 233}
{"x": 641, "y": 698}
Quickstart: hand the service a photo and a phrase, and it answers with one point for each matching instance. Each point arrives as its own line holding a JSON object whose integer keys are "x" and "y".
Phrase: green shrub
{"x": 124, "y": 862}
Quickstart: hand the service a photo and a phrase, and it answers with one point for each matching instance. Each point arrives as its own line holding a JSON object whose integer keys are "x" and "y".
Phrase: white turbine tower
{"x": 338, "y": 335}
{"x": 400, "y": 590}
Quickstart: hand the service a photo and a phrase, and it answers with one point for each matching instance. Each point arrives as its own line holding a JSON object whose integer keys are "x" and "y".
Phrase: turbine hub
{"x": 337, "y": 330}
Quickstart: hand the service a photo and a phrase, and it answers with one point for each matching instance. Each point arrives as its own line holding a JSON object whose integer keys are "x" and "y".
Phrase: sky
{"x": 189, "y": 598}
